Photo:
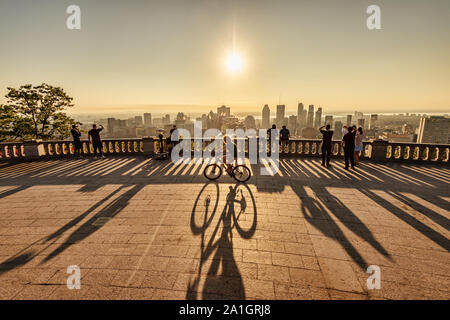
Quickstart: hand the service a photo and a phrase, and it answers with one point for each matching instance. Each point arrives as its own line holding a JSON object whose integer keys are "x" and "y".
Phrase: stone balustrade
{"x": 374, "y": 150}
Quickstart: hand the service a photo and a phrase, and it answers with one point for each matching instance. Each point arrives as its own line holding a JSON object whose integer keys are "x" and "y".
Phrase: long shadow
{"x": 10, "y": 192}
{"x": 350, "y": 220}
{"x": 27, "y": 254}
{"x": 412, "y": 221}
{"x": 78, "y": 219}
{"x": 312, "y": 209}
{"x": 86, "y": 229}
{"x": 435, "y": 217}
{"x": 219, "y": 248}
{"x": 316, "y": 214}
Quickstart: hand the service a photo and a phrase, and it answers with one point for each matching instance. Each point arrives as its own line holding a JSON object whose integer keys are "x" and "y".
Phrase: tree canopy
{"x": 35, "y": 112}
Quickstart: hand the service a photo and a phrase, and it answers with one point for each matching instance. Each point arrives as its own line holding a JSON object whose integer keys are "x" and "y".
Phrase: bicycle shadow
{"x": 222, "y": 278}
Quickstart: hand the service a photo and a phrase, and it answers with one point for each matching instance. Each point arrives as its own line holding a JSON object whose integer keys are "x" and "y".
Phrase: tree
{"x": 7, "y": 120}
{"x": 36, "y": 112}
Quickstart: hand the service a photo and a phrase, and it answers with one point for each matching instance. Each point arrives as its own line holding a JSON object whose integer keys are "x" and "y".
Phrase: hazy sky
{"x": 174, "y": 52}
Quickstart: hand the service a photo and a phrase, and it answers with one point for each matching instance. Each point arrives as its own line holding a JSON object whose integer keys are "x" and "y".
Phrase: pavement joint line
{"x": 166, "y": 211}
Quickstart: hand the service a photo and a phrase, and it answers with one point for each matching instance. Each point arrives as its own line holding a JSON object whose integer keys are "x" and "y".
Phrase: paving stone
{"x": 316, "y": 232}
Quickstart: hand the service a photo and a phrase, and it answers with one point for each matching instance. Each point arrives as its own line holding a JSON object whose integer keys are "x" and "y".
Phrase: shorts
{"x": 358, "y": 148}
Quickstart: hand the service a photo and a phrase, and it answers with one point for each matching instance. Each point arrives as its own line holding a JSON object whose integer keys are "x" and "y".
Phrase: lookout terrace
{"x": 142, "y": 228}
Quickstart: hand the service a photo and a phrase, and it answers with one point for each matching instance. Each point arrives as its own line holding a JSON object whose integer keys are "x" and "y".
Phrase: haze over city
{"x": 170, "y": 56}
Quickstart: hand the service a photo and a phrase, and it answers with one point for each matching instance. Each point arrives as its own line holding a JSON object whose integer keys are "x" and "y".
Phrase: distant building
{"x": 309, "y": 133}
{"x": 398, "y": 137}
{"x": 280, "y": 112}
{"x": 318, "y": 119}
{"x": 310, "y": 120}
{"x": 338, "y": 130}
{"x": 359, "y": 115}
{"x": 166, "y": 119}
{"x": 250, "y": 122}
{"x": 373, "y": 121}
{"x": 349, "y": 120}
{"x": 292, "y": 124}
{"x": 180, "y": 120}
{"x": 147, "y": 119}
{"x": 111, "y": 124}
{"x": 360, "y": 123}
{"x": 266, "y": 117}
{"x": 224, "y": 111}
{"x": 138, "y": 120}
{"x": 407, "y": 128}
{"x": 329, "y": 120}
{"x": 301, "y": 115}
{"x": 434, "y": 129}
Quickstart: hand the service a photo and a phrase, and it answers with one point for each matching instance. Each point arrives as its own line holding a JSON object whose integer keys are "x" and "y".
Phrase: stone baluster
{"x": 378, "y": 150}
{"x": 148, "y": 145}
{"x": 33, "y": 149}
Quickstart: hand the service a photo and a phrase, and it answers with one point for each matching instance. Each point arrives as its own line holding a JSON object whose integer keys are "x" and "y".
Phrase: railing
{"x": 110, "y": 146}
{"x": 11, "y": 150}
{"x": 417, "y": 152}
{"x": 64, "y": 148}
{"x": 375, "y": 150}
{"x": 313, "y": 148}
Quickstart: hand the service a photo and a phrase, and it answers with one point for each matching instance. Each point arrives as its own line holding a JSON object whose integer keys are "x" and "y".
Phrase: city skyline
{"x": 172, "y": 54}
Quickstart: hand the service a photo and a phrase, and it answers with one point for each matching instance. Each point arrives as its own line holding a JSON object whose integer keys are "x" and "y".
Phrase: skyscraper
{"x": 434, "y": 129}
{"x": 360, "y": 122}
{"x": 310, "y": 121}
{"x": 280, "y": 112}
{"x": 329, "y": 120}
{"x": 111, "y": 125}
{"x": 292, "y": 124}
{"x": 349, "y": 120}
{"x": 138, "y": 120}
{"x": 338, "y": 130}
{"x": 373, "y": 121}
{"x": 359, "y": 115}
{"x": 299, "y": 111}
{"x": 250, "y": 122}
{"x": 224, "y": 111}
{"x": 147, "y": 118}
{"x": 166, "y": 119}
{"x": 303, "y": 118}
{"x": 266, "y": 117}
{"x": 318, "y": 119}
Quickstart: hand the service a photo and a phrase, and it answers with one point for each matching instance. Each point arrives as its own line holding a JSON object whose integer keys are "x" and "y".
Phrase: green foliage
{"x": 35, "y": 112}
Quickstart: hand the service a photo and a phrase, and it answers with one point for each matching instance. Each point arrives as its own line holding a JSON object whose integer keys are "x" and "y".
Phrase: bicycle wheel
{"x": 244, "y": 211}
{"x": 212, "y": 171}
{"x": 241, "y": 173}
{"x": 205, "y": 207}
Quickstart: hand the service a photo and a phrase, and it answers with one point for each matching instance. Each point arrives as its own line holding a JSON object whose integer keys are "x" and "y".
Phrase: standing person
{"x": 94, "y": 139}
{"x": 76, "y": 134}
{"x": 327, "y": 135}
{"x": 284, "y": 137}
{"x": 358, "y": 144}
{"x": 348, "y": 142}
{"x": 269, "y": 137}
{"x": 269, "y": 132}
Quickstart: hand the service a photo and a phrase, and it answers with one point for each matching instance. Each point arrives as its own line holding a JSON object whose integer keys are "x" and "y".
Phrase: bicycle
{"x": 240, "y": 173}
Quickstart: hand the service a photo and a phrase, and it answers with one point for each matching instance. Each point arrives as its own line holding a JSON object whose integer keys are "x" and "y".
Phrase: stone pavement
{"x": 165, "y": 232}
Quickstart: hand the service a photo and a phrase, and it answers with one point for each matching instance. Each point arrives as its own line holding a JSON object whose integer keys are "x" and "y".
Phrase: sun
{"x": 234, "y": 63}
